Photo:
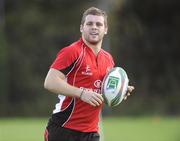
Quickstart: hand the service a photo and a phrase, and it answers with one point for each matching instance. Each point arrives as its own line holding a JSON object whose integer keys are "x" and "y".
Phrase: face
{"x": 93, "y": 29}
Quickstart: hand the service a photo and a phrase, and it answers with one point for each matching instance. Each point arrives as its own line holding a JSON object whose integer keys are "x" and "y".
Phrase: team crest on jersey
{"x": 87, "y": 71}
{"x": 97, "y": 84}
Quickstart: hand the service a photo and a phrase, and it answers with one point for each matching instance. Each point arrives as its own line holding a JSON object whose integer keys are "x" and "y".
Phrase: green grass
{"x": 22, "y": 129}
{"x": 142, "y": 129}
{"x": 115, "y": 129}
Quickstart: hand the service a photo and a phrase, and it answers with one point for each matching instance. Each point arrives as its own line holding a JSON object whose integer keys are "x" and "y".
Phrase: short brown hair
{"x": 94, "y": 11}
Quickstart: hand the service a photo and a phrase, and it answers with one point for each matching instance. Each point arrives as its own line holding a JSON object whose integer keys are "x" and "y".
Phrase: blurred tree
{"x": 35, "y": 31}
{"x": 3, "y": 63}
{"x": 146, "y": 43}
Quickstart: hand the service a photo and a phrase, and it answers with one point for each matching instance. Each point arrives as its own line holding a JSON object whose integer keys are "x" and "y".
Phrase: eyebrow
{"x": 94, "y": 22}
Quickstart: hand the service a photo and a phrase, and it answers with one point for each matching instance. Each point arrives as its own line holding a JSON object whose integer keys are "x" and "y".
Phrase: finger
{"x": 130, "y": 88}
{"x": 125, "y": 97}
{"x": 92, "y": 104}
{"x": 99, "y": 98}
{"x": 95, "y": 102}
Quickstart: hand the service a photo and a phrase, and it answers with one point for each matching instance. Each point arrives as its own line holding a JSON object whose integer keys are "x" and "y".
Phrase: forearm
{"x": 55, "y": 82}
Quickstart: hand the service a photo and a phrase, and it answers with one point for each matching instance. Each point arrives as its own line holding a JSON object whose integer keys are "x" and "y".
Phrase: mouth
{"x": 94, "y": 33}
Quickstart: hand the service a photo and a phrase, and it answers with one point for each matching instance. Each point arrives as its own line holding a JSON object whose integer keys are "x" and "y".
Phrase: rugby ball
{"x": 114, "y": 86}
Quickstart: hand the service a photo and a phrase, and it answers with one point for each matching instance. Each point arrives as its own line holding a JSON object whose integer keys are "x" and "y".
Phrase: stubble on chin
{"x": 94, "y": 42}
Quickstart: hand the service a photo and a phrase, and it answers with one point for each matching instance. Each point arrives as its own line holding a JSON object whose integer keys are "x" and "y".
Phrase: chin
{"x": 94, "y": 42}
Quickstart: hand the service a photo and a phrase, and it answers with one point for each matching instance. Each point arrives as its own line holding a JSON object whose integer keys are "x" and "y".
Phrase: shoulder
{"x": 74, "y": 48}
{"x": 106, "y": 54}
{"x": 67, "y": 56}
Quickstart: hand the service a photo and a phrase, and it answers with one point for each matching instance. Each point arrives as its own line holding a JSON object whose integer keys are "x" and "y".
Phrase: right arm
{"x": 55, "y": 83}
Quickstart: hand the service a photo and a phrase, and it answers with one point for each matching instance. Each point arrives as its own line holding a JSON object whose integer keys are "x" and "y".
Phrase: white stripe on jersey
{"x": 59, "y": 105}
{"x": 71, "y": 111}
{"x": 81, "y": 61}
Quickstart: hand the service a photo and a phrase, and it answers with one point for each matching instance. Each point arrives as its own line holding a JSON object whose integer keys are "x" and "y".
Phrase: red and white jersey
{"x": 83, "y": 69}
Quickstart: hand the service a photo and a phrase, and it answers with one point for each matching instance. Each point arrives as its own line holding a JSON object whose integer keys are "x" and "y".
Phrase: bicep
{"x": 56, "y": 73}
{"x": 53, "y": 76}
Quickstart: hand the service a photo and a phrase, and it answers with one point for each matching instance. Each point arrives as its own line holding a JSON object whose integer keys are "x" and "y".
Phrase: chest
{"x": 90, "y": 70}
{"x": 94, "y": 66}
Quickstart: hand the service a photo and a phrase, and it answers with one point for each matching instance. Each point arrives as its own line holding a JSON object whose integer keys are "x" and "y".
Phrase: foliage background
{"x": 143, "y": 38}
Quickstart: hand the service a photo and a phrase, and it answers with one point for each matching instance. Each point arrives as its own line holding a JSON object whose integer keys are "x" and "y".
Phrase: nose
{"x": 94, "y": 26}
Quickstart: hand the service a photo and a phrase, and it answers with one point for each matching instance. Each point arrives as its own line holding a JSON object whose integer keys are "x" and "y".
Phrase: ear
{"x": 106, "y": 30}
{"x": 81, "y": 28}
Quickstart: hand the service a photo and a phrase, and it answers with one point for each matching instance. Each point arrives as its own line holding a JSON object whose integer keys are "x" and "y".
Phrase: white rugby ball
{"x": 114, "y": 86}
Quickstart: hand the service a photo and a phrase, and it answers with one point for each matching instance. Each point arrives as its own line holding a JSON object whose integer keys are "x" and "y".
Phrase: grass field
{"x": 115, "y": 129}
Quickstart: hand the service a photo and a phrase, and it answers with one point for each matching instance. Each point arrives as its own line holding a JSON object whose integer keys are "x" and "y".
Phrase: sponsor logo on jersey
{"x": 97, "y": 84}
{"x": 87, "y": 71}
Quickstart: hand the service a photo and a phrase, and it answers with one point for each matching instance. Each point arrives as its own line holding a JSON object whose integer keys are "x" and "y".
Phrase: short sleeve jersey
{"x": 83, "y": 69}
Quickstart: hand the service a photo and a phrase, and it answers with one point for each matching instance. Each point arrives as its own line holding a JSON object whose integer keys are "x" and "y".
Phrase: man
{"x": 76, "y": 75}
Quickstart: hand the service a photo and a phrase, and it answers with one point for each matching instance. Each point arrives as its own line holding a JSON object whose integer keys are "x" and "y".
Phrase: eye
{"x": 99, "y": 24}
{"x": 89, "y": 23}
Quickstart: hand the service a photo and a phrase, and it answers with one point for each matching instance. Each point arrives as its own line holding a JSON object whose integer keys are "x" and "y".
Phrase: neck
{"x": 95, "y": 47}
